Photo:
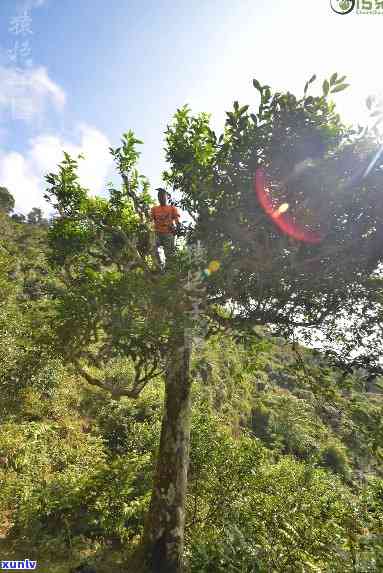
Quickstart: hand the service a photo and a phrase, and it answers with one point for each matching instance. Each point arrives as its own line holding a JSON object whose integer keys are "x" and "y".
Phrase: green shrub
{"x": 131, "y": 426}
{"x": 245, "y": 513}
{"x": 106, "y": 503}
{"x": 334, "y": 457}
{"x": 371, "y": 541}
{"x": 287, "y": 424}
{"x": 260, "y": 417}
{"x": 37, "y": 454}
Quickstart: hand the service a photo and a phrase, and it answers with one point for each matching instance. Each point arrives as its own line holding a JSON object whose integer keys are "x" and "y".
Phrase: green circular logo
{"x": 342, "y": 6}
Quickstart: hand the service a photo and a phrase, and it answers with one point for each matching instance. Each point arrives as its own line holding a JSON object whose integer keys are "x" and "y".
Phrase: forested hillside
{"x": 191, "y": 286}
{"x": 286, "y": 468}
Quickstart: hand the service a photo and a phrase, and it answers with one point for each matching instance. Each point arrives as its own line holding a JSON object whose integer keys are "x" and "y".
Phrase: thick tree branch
{"x": 133, "y": 392}
{"x": 91, "y": 379}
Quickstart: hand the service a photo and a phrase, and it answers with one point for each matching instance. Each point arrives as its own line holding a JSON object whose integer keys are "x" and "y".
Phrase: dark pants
{"x": 167, "y": 242}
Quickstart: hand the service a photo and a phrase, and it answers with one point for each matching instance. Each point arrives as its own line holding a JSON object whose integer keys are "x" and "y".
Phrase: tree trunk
{"x": 164, "y": 528}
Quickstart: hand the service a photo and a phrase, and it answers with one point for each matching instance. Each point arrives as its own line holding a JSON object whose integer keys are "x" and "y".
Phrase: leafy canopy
{"x": 114, "y": 303}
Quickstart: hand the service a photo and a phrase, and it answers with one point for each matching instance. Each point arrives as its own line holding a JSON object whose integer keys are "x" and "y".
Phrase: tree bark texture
{"x": 164, "y": 528}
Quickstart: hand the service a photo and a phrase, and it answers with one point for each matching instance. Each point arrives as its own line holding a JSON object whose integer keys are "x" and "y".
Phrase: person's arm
{"x": 176, "y": 217}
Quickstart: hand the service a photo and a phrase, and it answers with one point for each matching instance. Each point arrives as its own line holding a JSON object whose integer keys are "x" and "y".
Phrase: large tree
{"x": 297, "y": 250}
{"x": 7, "y": 201}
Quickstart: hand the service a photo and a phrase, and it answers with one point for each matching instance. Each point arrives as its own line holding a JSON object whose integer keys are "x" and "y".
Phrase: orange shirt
{"x": 163, "y": 217}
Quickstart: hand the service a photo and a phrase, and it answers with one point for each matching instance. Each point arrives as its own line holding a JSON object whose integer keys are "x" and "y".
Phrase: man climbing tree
{"x": 297, "y": 248}
{"x": 164, "y": 216}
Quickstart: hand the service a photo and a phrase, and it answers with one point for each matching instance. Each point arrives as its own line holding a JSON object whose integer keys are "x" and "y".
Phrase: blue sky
{"x": 97, "y": 68}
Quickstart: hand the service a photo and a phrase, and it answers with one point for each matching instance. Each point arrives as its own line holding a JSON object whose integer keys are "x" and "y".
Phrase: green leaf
{"x": 257, "y": 85}
{"x": 340, "y": 80}
{"x": 333, "y": 78}
{"x": 311, "y": 80}
{"x": 376, "y": 113}
{"x": 266, "y": 95}
{"x": 243, "y": 109}
{"x": 340, "y": 88}
{"x": 325, "y": 87}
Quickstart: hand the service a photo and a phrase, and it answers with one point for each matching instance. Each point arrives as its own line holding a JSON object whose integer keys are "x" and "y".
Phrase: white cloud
{"x": 26, "y": 94}
{"x": 23, "y": 174}
{"x": 18, "y": 176}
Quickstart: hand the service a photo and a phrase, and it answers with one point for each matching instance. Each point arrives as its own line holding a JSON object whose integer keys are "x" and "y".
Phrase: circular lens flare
{"x": 281, "y": 209}
{"x": 214, "y": 266}
{"x": 283, "y": 220}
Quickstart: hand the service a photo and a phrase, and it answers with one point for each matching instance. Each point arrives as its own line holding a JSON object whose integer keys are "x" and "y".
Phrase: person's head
{"x": 162, "y": 196}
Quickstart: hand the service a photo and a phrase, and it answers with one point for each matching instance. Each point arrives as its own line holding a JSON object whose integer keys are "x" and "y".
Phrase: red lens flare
{"x": 280, "y": 213}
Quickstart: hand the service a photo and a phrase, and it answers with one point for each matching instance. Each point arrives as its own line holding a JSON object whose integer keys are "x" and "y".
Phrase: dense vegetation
{"x": 286, "y": 460}
{"x": 97, "y": 369}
